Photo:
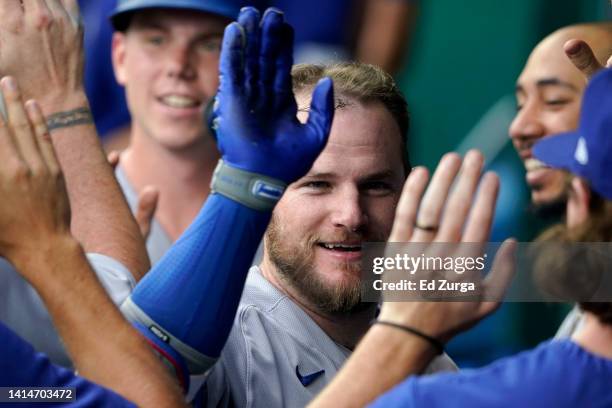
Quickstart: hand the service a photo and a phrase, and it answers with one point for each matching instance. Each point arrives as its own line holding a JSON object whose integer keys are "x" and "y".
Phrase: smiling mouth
{"x": 179, "y": 102}
{"x": 532, "y": 164}
{"x": 340, "y": 247}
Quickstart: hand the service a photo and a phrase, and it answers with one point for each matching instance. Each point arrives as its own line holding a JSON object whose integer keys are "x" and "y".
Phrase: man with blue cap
{"x": 166, "y": 55}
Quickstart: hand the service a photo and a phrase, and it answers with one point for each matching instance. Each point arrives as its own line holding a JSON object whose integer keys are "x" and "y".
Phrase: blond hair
{"x": 363, "y": 82}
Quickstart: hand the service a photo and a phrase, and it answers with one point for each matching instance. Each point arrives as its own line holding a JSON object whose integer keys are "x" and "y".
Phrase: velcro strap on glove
{"x": 253, "y": 190}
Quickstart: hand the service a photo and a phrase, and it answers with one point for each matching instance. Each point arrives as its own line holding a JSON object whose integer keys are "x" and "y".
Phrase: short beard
{"x": 295, "y": 268}
{"x": 553, "y": 210}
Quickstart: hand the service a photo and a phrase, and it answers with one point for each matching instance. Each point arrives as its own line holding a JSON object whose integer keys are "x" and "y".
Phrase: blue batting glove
{"x": 255, "y": 112}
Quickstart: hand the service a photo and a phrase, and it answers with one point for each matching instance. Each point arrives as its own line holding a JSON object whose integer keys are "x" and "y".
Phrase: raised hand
{"x": 34, "y": 210}
{"x": 41, "y": 45}
{"x": 445, "y": 215}
{"x": 255, "y": 112}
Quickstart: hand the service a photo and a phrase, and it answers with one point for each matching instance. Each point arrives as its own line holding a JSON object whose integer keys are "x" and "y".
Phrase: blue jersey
{"x": 22, "y": 366}
{"x": 555, "y": 374}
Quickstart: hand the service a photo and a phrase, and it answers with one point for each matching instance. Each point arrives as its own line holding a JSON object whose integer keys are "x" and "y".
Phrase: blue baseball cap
{"x": 587, "y": 152}
{"x": 125, "y": 8}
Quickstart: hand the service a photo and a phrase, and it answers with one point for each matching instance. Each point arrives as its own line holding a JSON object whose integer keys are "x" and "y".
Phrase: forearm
{"x": 103, "y": 346}
{"x": 382, "y": 359}
{"x": 193, "y": 292}
{"x": 101, "y": 221}
{"x": 385, "y": 32}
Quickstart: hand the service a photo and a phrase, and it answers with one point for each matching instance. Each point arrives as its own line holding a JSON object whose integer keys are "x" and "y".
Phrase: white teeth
{"x": 534, "y": 164}
{"x": 342, "y": 246}
{"x": 178, "y": 101}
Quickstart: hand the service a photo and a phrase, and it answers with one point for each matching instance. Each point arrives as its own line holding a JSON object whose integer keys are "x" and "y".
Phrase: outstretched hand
{"x": 34, "y": 210}
{"x": 255, "y": 112}
{"x": 42, "y": 47}
{"x": 446, "y": 215}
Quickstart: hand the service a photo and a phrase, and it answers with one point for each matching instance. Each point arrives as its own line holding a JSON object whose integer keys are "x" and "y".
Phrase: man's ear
{"x": 578, "y": 203}
{"x": 118, "y": 56}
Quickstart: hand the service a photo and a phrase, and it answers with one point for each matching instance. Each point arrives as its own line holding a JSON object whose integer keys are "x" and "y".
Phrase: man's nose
{"x": 181, "y": 63}
{"x": 527, "y": 124}
{"x": 349, "y": 211}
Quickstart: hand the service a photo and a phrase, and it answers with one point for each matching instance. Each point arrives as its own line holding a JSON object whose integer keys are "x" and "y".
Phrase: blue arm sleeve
{"x": 22, "y": 366}
{"x": 189, "y": 299}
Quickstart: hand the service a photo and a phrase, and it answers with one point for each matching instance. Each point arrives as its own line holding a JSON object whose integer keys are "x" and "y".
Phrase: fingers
{"x": 11, "y": 11}
{"x": 38, "y": 13}
{"x": 8, "y": 149}
{"x": 19, "y": 124}
{"x": 321, "y": 110}
{"x": 432, "y": 205}
{"x": 11, "y": 15}
{"x": 284, "y": 100}
{"x": 582, "y": 57}
{"x": 43, "y": 137}
{"x": 231, "y": 59}
{"x": 478, "y": 227}
{"x": 407, "y": 208}
{"x": 249, "y": 20}
{"x": 461, "y": 198}
{"x": 113, "y": 159}
{"x": 72, "y": 8}
{"x": 271, "y": 39}
{"x": 147, "y": 204}
{"x": 57, "y": 9}
{"x": 498, "y": 281}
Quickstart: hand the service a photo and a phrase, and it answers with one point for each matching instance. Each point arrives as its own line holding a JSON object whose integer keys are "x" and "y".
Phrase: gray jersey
{"x": 22, "y": 310}
{"x": 276, "y": 355}
{"x": 158, "y": 241}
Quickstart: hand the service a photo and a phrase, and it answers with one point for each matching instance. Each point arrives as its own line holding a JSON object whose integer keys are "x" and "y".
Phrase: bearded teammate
{"x": 549, "y": 92}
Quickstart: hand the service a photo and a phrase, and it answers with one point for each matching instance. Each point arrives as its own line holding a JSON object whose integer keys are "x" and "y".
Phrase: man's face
{"x": 348, "y": 197}
{"x": 548, "y": 92}
{"x": 168, "y": 62}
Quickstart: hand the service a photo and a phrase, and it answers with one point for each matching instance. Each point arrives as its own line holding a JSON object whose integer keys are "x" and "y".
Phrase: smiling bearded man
{"x": 300, "y": 315}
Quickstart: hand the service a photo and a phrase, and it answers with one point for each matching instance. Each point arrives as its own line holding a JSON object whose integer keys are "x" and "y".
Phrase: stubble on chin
{"x": 295, "y": 267}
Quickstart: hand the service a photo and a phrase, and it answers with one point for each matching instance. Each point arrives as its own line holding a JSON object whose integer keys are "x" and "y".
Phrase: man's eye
{"x": 210, "y": 45}
{"x": 557, "y": 102}
{"x": 155, "y": 40}
{"x": 317, "y": 185}
{"x": 379, "y": 187}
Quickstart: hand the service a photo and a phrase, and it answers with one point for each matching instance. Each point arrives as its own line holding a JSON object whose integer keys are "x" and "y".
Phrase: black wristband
{"x": 437, "y": 344}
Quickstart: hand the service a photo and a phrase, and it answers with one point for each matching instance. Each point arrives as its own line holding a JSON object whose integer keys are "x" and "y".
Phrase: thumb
{"x": 499, "y": 279}
{"x": 322, "y": 110}
{"x": 113, "y": 158}
{"x": 147, "y": 204}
